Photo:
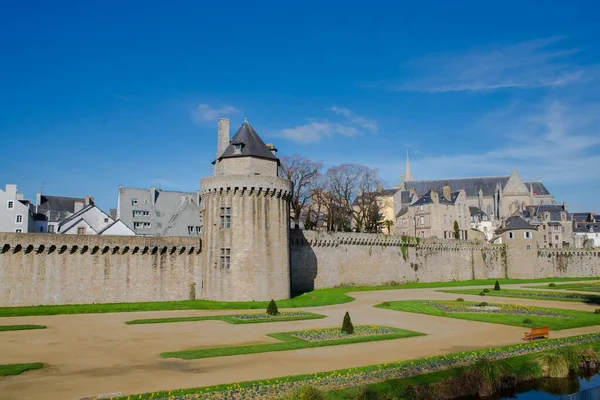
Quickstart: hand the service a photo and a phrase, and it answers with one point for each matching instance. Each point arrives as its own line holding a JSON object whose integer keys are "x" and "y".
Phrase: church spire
{"x": 407, "y": 173}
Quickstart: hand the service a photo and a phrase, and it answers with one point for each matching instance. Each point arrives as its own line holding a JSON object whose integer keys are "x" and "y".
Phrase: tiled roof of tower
{"x": 252, "y": 145}
{"x": 471, "y": 186}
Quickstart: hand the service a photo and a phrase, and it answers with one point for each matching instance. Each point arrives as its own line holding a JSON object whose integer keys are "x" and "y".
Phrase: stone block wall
{"x": 573, "y": 263}
{"x": 323, "y": 259}
{"x": 49, "y": 269}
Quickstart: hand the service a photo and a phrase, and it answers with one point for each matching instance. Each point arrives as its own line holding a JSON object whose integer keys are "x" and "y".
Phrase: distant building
{"x": 156, "y": 212}
{"x": 586, "y": 230}
{"x": 52, "y": 210}
{"x": 432, "y": 215}
{"x": 92, "y": 221}
{"x": 384, "y": 198}
{"x": 554, "y": 225}
{"x": 15, "y": 212}
{"x": 482, "y": 223}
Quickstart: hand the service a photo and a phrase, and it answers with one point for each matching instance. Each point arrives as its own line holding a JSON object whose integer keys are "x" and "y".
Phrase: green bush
{"x": 552, "y": 284}
{"x": 385, "y": 304}
{"x": 487, "y": 374}
{"x": 483, "y": 304}
{"x": 486, "y": 290}
{"x": 497, "y": 286}
{"x": 527, "y": 321}
{"x": 482, "y": 294}
{"x": 597, "y": 311}
{"x": 307, "y": 393}
{"x": 460, "y": 299}
{"x": 272, "y": 308}
{"x": 553, "y": 365}
{"x": 572, "y": 356}
{"x": 365, "y": 393}
{"x": 347, "y": 326}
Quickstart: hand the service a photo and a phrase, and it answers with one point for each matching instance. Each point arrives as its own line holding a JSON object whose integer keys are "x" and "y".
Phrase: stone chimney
{"x": 379, "y": 188}
{"x": 447, "y": 192}
{"x": 152, "y": 195}
{"x": 435, "y": 196}
{"x": 223, "y": 140}
{"x": 78, "y": 206}
{"x": 273, "y": 149}
{"x": 89, "y": 200}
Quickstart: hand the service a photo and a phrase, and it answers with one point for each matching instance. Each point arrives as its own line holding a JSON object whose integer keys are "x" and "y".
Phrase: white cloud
{"x": 206, "y": 113}
{"x": 315, "y": 131}
{"x": 529, "y": 64}
{"x": 350, "y": 116}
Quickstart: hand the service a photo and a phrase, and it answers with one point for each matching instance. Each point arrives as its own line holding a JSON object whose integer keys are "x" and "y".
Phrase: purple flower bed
{"x": 282, "y": 387}
{"x": 550, "y": 295}
{"x": 495, "y": 308}
{"x": 315, "y": 335}
{"x": 283, "y": 314}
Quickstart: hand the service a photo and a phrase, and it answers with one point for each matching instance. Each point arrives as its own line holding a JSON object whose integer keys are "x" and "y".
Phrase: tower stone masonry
{"x": 245, "y": 206}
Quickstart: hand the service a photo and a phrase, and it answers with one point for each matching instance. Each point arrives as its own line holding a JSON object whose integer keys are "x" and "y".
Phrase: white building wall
{"x": 10, "y": 208}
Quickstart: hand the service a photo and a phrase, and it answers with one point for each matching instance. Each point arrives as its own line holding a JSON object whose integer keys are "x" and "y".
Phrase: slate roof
{"x": 377, "y": 193}
{"x": 403, "y": 210}
{"x": 582, "y": 217}
{"x": 426, "y": 198}
{"x": 554, "y": 211}
{"x": 58, "y": 203}
{"x": 252, "y": 145}
{"x": 471, "y": 186}
{"x": 587, "y": 228}
{"x": 516, "y": 222}
{"x": 478, "y": 213}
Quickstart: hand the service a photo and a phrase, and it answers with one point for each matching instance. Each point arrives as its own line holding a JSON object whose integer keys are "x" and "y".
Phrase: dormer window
{"x": 237, "y": 148}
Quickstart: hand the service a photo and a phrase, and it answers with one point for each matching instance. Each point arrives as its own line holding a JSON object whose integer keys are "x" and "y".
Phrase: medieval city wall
{"x": 71, "y": 269}
{"x": 323, "y": 260}
{"x": 573, "y": 263}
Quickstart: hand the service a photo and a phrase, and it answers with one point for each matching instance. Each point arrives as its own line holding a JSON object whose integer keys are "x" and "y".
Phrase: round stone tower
{"x": 245, "y": 211}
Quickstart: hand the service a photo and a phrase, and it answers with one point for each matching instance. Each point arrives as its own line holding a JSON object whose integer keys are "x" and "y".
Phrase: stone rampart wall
{"x": 70, "y": 269}
{"x": 565, "y": 262}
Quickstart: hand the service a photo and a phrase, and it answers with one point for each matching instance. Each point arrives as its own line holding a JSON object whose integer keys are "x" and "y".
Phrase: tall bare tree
{"x": 303, "y": 173}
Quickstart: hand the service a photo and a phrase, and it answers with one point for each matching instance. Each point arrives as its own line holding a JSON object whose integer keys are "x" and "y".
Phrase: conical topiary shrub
{"x": 347, "y": 326}
{"x": 272, "y": 308}
{"x": 497, "y": 286}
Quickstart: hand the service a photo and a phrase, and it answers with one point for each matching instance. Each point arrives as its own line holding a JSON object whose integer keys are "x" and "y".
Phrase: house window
{"x": 197, "y": 230}
{"x": 545, "y": 240}
{"x": 18, "y": 219}
{"x": 445, "y": 235}
{"x": 141, "y": 225}
{"x": 193, "y": 230}
{"x": 50, "y": 228}
{"x": 105, "y": 219}
{"x": 527, "y": 235}
{"x": 81, "y": 230}
{"x": 422, "y": 220}
{"x": 528, "y": 247}
{"x": 41, "y": 229}
{"x": 555, "y": 237}
{"x": 225, "y": 217}
{"x": 237, "y": 148}
{"x": 511, "y": 235}
{"x": 225, "y": 258}
{"x": 18, "y": 230}
{"x": 134, "y": 202}
{"x": 10, "y": 204}
{"x": 141, "y": 213}
{"x": 420, "y": 208}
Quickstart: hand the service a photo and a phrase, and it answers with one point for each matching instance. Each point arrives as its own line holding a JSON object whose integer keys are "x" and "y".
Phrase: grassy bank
{"x": 232, "y": 319}
{"x": 320, "y": 297}
{"x": 508, "y": 314}
{"x": 532, "y": 294}
{"x": 354, "y": 377}
{"x": 5, "y": 328}
{"x": 288, "y": 341}
{"x": 16, "y": 369}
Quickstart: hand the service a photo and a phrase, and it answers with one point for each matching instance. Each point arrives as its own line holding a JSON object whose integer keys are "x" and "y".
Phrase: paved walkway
{"x": 88, "y": 355}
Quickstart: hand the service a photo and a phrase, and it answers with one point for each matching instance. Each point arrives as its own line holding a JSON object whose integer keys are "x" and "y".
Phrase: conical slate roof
{"x": 252, "y": 145}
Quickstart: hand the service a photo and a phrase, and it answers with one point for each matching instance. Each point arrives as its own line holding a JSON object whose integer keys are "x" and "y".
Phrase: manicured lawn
{"x": 419, "y": 371}
{"x": 289, "y": 341}
{"x": 584, "y": 287}
{"x": 4, "y": 328}
{"x": 532, "y": 294}
{"x": 16, "y": 369}
{"x": 321, "y": 297}
{"x": 508, "y": 314}
{"x": 234, "y": 319}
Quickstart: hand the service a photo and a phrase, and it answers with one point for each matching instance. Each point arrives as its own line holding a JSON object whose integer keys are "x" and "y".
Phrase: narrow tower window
{"x": 225, "y": 258}
{"x": 225, "y": 217}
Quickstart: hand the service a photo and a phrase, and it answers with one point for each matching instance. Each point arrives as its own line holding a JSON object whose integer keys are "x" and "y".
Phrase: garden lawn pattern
{"x": 508, "y": 314}
{"x": 17, "y": 369}
{"x": 292, "y": 341}
{"x": 316, "y": 335}
{"x": 532, "y": 294}
{"x": 583, "y": 287}
{"x": 334, "y": 380}
{"x": 5, "y": 328}
{"x": 253, "y": 318}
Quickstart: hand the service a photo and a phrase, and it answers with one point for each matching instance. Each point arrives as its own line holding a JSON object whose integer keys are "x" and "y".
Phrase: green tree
{"x": 272, "y": 308}
{"x": 497, "y": 286}
{"x": 456, "y": 230}
{"x": 347, "y": 326}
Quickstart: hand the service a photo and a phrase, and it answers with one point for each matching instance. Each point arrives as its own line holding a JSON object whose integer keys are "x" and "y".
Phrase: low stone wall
{"x": 69, "y": 269}
{"x": 323, "y": 259}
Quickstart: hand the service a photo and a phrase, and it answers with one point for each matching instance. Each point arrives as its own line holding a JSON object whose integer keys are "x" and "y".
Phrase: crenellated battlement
{"x": 239, "y": 185}
{"x": 569, "y": 252}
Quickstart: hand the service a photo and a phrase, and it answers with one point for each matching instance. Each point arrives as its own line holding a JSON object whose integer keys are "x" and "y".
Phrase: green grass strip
{"x": 320, "y": 297}
{"x": 287, "y": 342}
{"x": 227, "y": 318}
{"x": 576, "y": 319}
{"x": 331, "y": 380}
{"x": 532, "y": 294}
{"x": 16, "y": 369}
{"x": 5, "y": 328}
{"x": 583, "y": 287}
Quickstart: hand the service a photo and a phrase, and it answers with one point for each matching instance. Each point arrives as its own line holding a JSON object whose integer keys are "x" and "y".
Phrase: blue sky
{"x": 94, "y": 94}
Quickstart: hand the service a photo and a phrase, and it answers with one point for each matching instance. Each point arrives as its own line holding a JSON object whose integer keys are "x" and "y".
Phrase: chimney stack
{"x": 223, "y": 140}
{"x": 447, "y": 192}
{"x": 273, "y": 149}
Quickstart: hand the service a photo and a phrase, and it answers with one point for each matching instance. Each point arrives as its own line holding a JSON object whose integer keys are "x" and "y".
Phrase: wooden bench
{"x": 538, "y": 333}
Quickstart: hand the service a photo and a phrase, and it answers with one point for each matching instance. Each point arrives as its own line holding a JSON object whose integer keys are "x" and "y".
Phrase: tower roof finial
{"x": 407, "y": 172}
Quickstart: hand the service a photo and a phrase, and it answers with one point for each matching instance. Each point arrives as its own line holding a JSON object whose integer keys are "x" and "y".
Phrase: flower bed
{"x": 534, "y": 294}
{"x": 264, "y": 315}
{"x": 472, "y": 307}
{"x": 281, "y": 387}
{"x": 316, "y": 335}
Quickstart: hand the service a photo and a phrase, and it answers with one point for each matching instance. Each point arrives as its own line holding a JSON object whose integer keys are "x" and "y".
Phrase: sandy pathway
{"x": 97, "y": 354}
